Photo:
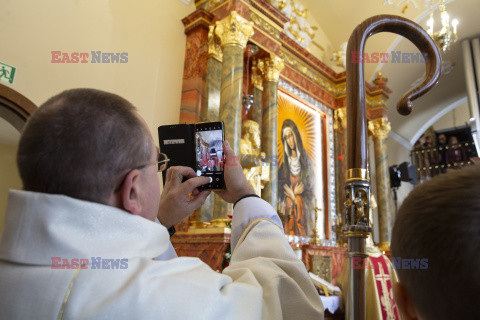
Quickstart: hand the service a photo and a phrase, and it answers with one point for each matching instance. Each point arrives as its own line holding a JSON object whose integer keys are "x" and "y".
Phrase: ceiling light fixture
{"x": 447, "y": 35}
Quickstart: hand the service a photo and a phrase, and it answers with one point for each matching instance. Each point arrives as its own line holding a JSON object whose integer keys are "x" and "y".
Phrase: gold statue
{"x": 254, "y": 170}
{"x": 373, "y": 206}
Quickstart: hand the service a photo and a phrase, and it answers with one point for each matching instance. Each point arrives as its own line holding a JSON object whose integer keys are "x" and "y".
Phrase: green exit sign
{"x": 7, "y": 73}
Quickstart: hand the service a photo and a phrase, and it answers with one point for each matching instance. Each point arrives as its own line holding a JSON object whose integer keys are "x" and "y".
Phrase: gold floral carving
{"x": 379, "y": 128}
{"x": 340, "y": 119}
{"x": 257, "y": 78}
{"x": 271, "y": 68}
{"x": 321, "y": 81}
{"x": 264, "y": 25}
{"x": 377, "y": 101}
{"x": 207, "y": 4}
{"x": 214, "y": 47}
{"x": 234, "y": 30}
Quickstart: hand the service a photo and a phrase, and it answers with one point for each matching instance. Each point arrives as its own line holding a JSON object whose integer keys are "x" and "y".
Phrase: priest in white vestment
{"x": 70, "y": 255}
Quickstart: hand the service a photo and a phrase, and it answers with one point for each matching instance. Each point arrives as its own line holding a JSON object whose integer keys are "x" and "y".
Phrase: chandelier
{"x": 447, "y": 35}
{"x": 444, "y": 37}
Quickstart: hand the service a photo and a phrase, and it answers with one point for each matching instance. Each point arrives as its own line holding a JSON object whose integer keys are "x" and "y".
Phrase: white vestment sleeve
{"x": 170, "y": 253}
{"x": 259, "y": 247}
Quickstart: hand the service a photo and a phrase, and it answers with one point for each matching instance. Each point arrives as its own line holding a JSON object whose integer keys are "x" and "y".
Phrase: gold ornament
{"x": 234, "y": 30}
{"x": 271, "y": 67}
{"x": 340, "y": 119}
{"x": 214, "y": 47}
{"x": 379, "y": 128}
{"x": 257, "y": 78}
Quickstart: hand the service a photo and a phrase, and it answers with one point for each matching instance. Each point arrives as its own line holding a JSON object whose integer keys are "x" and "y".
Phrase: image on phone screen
{"x": 209, "y": 152}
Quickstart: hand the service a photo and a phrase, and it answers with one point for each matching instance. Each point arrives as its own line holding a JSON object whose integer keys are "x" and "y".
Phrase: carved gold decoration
{"x": 251, "y": 138}
{"x": 271, "y": 67}
{"x": 199, "y": 3}
{"x": 337, "y": 228}
{"x": 207, "y": 4}
{"x": 339, "y": 56}
{"x": 379, "y": 128}
{"x": 197, "y": 225}
{"x": 221, "y": 223}
{"x": 215, "y": 226}
{"x": 257, "y": 78}
{"x": 322, "y": 267}
{"x": 376, "y": 101}
{"x": 340, "y": 89}
{"x": 214, "y": 46}
{"x": 297, "y": 28}
{"x": 234, "y": 30}
{"x": 340, "y": 119}
{"x": 307, "y": 71}
{"x": 256, "y": 172}
{"x": 268, "y": 27}
{"x": 384, "y": 246}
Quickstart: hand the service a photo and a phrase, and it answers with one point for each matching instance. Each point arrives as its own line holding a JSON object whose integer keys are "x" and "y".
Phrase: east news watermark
{"x": 389, "y": 57}
{"x": 94, "y": 263}
{"x": 398, "y": 263}
{"x": 89, "y": 57}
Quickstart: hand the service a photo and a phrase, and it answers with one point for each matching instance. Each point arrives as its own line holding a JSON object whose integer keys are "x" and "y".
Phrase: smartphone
{"x": 209, "y": 137}
{"x": 198, "y": 146}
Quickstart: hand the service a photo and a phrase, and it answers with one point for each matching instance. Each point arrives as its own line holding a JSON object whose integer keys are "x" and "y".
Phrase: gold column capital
{"x": 234, "y": 30}
{"x": 271, "y": 67}
{"x": 214, "y": 46}
{"x": 340, "y": 119}
{"x": 379, "y": 128}
{"x": 257, "y": 78}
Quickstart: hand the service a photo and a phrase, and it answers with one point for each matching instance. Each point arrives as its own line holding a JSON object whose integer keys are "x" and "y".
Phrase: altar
{"x": 284, "y": 112}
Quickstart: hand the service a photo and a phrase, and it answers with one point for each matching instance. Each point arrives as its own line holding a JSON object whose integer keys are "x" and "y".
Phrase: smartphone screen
{"x": 209, "y": 153}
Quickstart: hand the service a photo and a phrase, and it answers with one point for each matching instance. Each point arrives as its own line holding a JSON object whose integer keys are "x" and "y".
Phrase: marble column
{"x": 271, "y": 68}
{"x": 211, "y": 103}
{"x": 233, "y": 32}
{"x": 379, "y": 129}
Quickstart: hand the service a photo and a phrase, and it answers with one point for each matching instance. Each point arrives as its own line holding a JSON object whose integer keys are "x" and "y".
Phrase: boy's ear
{"x": 130, "y": 193}
{"x": 405, "y": 304}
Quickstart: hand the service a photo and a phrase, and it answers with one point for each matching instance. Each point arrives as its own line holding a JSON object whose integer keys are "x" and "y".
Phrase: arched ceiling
{"x": 339, "y": 18}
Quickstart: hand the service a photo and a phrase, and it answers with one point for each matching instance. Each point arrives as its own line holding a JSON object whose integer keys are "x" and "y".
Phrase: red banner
{"x": 384, "y": 288}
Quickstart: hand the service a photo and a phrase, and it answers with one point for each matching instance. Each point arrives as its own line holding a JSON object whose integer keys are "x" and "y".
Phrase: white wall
{"x": 151, "y": 32}
{"x": 456, "y": 118}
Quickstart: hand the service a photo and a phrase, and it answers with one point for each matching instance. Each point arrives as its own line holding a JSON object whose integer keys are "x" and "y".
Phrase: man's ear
{"x": 130, "y": 193}
{"x": 405, "y": 304}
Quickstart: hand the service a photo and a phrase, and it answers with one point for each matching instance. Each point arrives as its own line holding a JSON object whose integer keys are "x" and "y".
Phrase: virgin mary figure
{"x": 295, "y": 179}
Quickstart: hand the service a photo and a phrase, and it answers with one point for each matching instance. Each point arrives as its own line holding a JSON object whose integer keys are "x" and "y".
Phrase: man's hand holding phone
{"x": 236, "y": 184}
{"x": 179, "y": 200}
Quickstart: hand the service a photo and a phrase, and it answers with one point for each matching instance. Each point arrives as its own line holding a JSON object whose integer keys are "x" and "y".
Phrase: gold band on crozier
{"x": 356, "y": 174}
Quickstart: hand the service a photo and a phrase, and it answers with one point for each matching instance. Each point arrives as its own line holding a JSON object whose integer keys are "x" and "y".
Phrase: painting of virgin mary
{"x": 296, "y": 181}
